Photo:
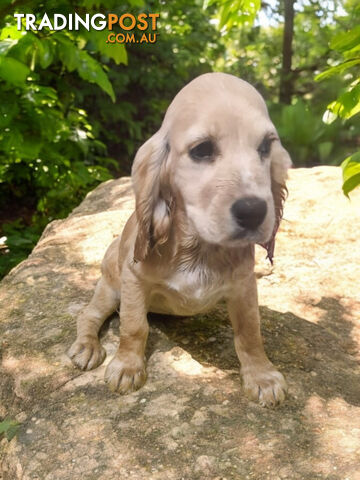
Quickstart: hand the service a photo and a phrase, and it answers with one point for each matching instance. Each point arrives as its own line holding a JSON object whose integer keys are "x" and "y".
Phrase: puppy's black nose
{"x": 249, "y": 212}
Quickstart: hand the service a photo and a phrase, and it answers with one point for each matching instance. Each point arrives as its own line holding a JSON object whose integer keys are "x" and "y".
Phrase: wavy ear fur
{"x": 280, "y": 163}
{"x": 153, "y": 200}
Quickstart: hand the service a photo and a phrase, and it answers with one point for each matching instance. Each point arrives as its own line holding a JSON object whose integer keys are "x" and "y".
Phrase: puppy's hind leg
{"x": 86, "y": 352}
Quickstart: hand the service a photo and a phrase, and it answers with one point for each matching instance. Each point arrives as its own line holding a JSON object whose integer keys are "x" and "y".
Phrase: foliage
{"x": 305, "y": 135}
{"x": 253, "y": 52}
{"x": 47, "y": 149}
{"x": 9, "y": 428}
{"x": 347, "y": 104}
{"x": 231, "y": 13}
{"x": 20, "y": 240}
{"x": 49, "y": 156}
{"x": 351, "y": 172}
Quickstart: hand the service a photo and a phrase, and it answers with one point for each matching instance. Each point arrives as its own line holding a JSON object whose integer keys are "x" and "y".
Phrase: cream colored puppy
{"x": 208, "y": 185}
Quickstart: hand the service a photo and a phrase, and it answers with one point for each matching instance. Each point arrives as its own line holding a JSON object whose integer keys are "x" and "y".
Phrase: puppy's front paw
{"x": 125, "y": 373}
{"x": 87, "y": 353}
{"x": 265, "y": 385}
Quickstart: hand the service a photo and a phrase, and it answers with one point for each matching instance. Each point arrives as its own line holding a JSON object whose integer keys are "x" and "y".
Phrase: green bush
{"x": 49, "y": 156}
{"x": 307, "y": 137}
{"x": 347, "y": 105}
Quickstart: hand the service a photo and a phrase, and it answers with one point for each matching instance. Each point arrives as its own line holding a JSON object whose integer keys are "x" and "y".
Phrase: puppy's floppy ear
{"x": 152, "y": 195}
{"x": 280, "y": 163}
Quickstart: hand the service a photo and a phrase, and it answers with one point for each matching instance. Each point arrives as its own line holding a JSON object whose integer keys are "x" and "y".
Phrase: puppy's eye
{"x": 265, "y": 146}
{"x": 203, "y": 152}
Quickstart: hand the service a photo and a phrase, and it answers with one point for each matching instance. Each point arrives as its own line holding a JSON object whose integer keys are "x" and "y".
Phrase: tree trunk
{"x": 286, "y": 77}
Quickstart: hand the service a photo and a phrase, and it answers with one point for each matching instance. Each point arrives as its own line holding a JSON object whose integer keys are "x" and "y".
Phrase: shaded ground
{"x": 191, "y": 420}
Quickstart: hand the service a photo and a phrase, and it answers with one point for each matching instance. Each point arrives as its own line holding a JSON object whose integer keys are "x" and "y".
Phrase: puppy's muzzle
{"x": 249, "y": 212}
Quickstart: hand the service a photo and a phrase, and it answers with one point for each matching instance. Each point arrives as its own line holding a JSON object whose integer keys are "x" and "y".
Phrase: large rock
{"x": 191, "y": 420}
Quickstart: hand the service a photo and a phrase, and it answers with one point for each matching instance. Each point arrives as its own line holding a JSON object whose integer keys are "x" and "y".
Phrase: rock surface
{"x": 191, "y": 420}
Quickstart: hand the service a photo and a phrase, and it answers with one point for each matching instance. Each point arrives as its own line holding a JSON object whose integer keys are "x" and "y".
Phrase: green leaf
{"x": 29, "y": 148}
{"x": 46, "y": 52}
{"x": 225, "y": 12}
{"x": 115, "y": 51}
{"x": 11, "y": 31}
{"x": 346, "y": 40}
{"x": 351, "y": 173}
{"x": 6, "y": 44}
{"x": 89, "y": 69}
{"x": 27, "y": 48}
{"x": 235, "y": 12}
{"x": 348, "y": 104}
{"x": 68, "y": 53}
{"x": 9, "y": 428}
{"x": 13, "y": 71}
{"x": 337, "y": 69}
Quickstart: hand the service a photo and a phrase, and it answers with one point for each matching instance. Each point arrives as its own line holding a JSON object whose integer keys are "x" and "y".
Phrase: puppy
{"x": 209, "y": 185}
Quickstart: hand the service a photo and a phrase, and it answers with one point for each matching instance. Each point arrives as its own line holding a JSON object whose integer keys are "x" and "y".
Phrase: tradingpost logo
{"x": 132, "y": 26}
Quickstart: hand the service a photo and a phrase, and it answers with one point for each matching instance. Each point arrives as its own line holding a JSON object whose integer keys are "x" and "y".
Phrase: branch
{"x": 305, "y": 68}
{"x": 310, "y": 68}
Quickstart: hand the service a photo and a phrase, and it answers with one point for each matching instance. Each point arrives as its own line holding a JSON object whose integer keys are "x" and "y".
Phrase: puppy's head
{"x": 218, "y": 151}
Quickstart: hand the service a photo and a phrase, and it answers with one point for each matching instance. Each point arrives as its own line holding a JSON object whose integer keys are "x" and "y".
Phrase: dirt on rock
{"x": 191, "y": 420}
